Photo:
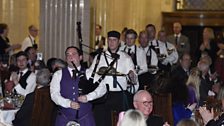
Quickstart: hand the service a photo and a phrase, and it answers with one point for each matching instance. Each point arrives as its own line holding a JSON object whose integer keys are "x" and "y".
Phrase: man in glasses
{"x": 29, "y": 41}
{"x": 143, "y": 102}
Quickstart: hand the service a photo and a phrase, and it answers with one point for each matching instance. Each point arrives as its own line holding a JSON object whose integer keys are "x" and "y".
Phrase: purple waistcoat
{"x": 69, "y": 90}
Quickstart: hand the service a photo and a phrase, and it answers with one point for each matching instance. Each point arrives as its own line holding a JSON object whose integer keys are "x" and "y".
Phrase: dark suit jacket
{"x": 183, "y": 44}
{"x": 154, "y": 120}
{"x": 23, "y": 116}
{"x": 103, "y": 39}
{"x": 179, "y": 73}
{"x": 204, "y": 87}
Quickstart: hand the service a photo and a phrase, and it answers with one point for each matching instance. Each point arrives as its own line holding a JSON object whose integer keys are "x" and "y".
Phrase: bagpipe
{"x": 86, "y": 86}
{"x": 80, "y": 40}
{"x": 79, "y": 33}
{"x": 81, "y": 45}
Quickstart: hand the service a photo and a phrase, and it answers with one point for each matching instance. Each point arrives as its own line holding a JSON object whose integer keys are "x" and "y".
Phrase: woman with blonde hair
{"x": 132, "y": 118}
{"x": 209, "y": 45}
{"x": 193, "y": 84}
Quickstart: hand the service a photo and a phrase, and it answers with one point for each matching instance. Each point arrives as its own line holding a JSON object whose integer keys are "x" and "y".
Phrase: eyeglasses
{"x": 34, "y": 30}
{"x": 146, "y": 103}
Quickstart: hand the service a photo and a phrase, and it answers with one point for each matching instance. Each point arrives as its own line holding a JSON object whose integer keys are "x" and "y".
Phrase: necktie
{"x": 114, "y": 81}
{"x": 176, "y": 39}
{"x": 97, "y": 40}
{"x": 20, "y": 75}
{"x": 187, "y": 72}
{"x": 129, "y": 51}
{"x": 35, "y": 45}
{"x": 34, "y": 42}
{"x": 73, "y": 74}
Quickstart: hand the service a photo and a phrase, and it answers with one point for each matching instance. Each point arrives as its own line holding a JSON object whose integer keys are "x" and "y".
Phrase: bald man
{"x": 179, "y": 40}
{"x": 143, "y": 102}
{"x": 29, "y": 41}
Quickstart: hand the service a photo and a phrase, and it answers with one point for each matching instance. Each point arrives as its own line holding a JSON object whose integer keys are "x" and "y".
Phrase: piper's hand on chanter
{"x": 74, "y": 105}
{"x": 82, "y": 99}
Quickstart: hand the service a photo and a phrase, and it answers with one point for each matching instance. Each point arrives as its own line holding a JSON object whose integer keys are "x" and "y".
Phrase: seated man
{"x": 55, "y": 64}
{"x": 183, "y": 68}
{"x": 143, "y": 102}
{"x": 23, "y": 116}
{"x": 32, "y": 57}
{"x": 24, "y": 79}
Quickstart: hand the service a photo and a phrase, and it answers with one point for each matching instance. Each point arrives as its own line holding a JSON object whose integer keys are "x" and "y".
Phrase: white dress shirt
{"x": 178, "y": 37}
{"x": 28, "y": 42}
{"x": 31, "y": 84}
{"x": 173, "y": 57}
{"x": 154, "y": 59}
{"x": 162, "y": 47}
{"x": 99, "y": 38}
{"x": 140, "y": 57}
{"x": 124, "y": 64}
{"x": 65, "y": 102}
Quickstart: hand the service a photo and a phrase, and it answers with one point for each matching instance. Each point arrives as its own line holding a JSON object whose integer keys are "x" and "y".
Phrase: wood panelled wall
{"x": 193, "y": 18}
{"x": 193, "y": 24}
{"x": 136, "y": 14}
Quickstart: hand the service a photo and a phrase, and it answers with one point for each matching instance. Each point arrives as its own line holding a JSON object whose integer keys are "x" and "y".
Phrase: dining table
{"x": 8, "y": 108}
{"x": 7, "y": 116}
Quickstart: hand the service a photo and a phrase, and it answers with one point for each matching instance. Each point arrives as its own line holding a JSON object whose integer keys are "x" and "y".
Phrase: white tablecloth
{"x": 6, "y": 116}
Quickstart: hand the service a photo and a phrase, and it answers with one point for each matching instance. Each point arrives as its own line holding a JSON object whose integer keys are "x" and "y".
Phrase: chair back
{"x": 43, "y": 109}
{"x": 162, "y": 106}
{"x": 114, "y": 117}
